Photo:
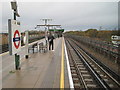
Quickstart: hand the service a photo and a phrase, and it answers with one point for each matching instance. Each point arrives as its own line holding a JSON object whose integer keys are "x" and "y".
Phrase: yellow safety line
{"x": 62, "y": 69}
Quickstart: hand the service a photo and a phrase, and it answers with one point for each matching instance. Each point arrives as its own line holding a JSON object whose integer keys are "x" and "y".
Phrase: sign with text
{"x": 14, "y": 36}
{"x": 115, "y": 37}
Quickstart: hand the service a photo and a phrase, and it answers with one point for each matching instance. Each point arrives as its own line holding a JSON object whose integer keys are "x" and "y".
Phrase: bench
{"x": 42, "y": 47}
{"x": 33, "y": 47}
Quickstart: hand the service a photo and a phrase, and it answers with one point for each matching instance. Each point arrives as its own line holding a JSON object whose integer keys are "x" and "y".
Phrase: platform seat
{"x": 42, "y": 47}
{"x": 34, "y": 46}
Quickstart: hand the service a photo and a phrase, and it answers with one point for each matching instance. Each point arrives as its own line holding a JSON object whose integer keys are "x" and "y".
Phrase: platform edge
{"x": 68, "y": 67}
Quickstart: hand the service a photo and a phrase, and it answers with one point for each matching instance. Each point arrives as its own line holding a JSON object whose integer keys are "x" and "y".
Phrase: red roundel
{"x": 16, "y": 39}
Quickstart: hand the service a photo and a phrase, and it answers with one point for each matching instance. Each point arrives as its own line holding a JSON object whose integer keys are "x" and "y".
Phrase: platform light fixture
{"x": 14, "y": 7}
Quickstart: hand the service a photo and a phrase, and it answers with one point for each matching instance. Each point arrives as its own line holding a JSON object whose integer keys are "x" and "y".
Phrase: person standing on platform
{"x": 51, "y": 42}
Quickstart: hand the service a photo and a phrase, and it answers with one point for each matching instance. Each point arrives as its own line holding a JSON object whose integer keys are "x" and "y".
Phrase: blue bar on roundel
{"x": 16, "y": 39}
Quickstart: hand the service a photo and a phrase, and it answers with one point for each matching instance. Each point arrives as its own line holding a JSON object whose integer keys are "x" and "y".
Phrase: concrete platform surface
{"x": 41, "y": 70}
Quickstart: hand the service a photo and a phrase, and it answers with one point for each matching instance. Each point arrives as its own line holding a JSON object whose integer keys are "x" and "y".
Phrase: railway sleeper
{"x": 78, "y": 62}
{"x": 76, "y": 80}
{"x": 86, "y": 75}
{"x": 82, "y": 68}
{"x": 105, "y": 79}
{"x": 98, "y": 71}
{"x": 74, "y": 75}
{"x": 84, "y": 71}
{"x": 77, "y": 59}
{"x": 74, "y": 55}
{"x": 81, "y": 65}
{"x": 73, "y": 71}
{"x": 95, "y": 68}
{"x": 91, "y": 85}
{"x": 77, "y": 85}
{"x": 90, "y": 63}
{"x": 71, "y": 64}
{"x": 101, "y": 75}
{"x": 88, "y": 80}
{"x": 93, "y": 65}
{"x": 111, "y": 85}
{"x": 72, "y": 68}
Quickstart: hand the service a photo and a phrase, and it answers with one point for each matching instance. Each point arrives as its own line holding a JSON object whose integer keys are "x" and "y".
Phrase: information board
{"x": 115, "y": 37}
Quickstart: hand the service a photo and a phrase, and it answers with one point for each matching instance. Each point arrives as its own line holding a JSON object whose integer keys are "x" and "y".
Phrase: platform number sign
{"x": 14, "y": 36}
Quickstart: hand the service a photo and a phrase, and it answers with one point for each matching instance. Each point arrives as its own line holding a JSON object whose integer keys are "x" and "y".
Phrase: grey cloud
{"x": 76, "y": 15}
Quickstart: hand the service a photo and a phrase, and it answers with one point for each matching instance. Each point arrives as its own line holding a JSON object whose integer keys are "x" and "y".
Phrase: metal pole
{"x": 46, "y": 30}
{"x": 14, "y": 14}
{"x": 17, "y": 57}
{"x": 45, "y": 21}
{"x": 26, "y": 45}
{"x": 118, "y": 59}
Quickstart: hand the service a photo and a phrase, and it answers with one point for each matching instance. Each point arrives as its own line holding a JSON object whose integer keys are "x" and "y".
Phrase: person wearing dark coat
{"x": 51, "y": 42}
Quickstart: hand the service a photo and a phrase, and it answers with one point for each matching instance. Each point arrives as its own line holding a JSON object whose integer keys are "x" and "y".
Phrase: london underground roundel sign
{"x": 16, "y": 39}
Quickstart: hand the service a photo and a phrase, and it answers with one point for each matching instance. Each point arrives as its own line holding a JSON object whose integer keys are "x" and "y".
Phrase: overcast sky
{"x": 71, "y": 15}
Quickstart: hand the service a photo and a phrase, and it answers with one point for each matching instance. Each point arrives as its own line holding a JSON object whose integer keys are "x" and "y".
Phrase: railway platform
{"x": 53, "y": 70}
{"x": 40, "y": 70}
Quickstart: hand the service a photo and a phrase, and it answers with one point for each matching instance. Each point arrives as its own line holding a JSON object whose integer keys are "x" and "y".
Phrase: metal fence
{"x": 102, "y": 47}
{"x": 5, "y": 47}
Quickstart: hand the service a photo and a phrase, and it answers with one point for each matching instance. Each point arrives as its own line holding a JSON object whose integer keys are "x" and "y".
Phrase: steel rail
{"x": 99, "y": 65}
{"x": 111, "y": 72}
{"x": 102, "y": 83}
{"x": 80, "y": 75}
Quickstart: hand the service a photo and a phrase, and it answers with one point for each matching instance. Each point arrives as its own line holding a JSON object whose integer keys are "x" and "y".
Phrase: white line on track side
{"x": 68, "y": 67}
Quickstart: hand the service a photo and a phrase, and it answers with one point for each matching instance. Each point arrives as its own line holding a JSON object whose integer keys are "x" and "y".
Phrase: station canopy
{"x": 56, "y": 30}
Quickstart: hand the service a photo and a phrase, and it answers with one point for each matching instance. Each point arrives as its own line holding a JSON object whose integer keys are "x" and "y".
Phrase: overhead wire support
{"x": 46, "y": 20}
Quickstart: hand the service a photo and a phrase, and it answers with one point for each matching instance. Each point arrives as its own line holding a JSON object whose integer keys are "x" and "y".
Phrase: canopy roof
{"x": 56, "y": 30}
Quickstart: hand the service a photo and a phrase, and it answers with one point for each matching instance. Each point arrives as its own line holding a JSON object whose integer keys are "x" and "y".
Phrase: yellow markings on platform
{"x": 62, "y": 68}
{"x": 2, "y": 54}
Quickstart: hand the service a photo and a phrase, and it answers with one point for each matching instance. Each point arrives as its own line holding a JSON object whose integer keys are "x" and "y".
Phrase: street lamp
{"x": 14, "y": 7}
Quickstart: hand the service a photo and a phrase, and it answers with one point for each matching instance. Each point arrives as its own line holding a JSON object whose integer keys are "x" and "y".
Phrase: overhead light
{"x": 14, "y": 5}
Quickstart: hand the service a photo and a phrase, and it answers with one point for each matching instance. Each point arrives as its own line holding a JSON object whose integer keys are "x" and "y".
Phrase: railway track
{"x": 86, "y": 73}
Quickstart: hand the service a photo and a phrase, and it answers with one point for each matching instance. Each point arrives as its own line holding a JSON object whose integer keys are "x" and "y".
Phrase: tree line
{"x": 104, "y": 35}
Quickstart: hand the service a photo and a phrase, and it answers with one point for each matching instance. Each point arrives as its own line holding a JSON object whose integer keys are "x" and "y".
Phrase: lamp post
{"x": 46, "y": 20}
{"x": 14, "y": 7}
{"x": 17, "y": 57}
